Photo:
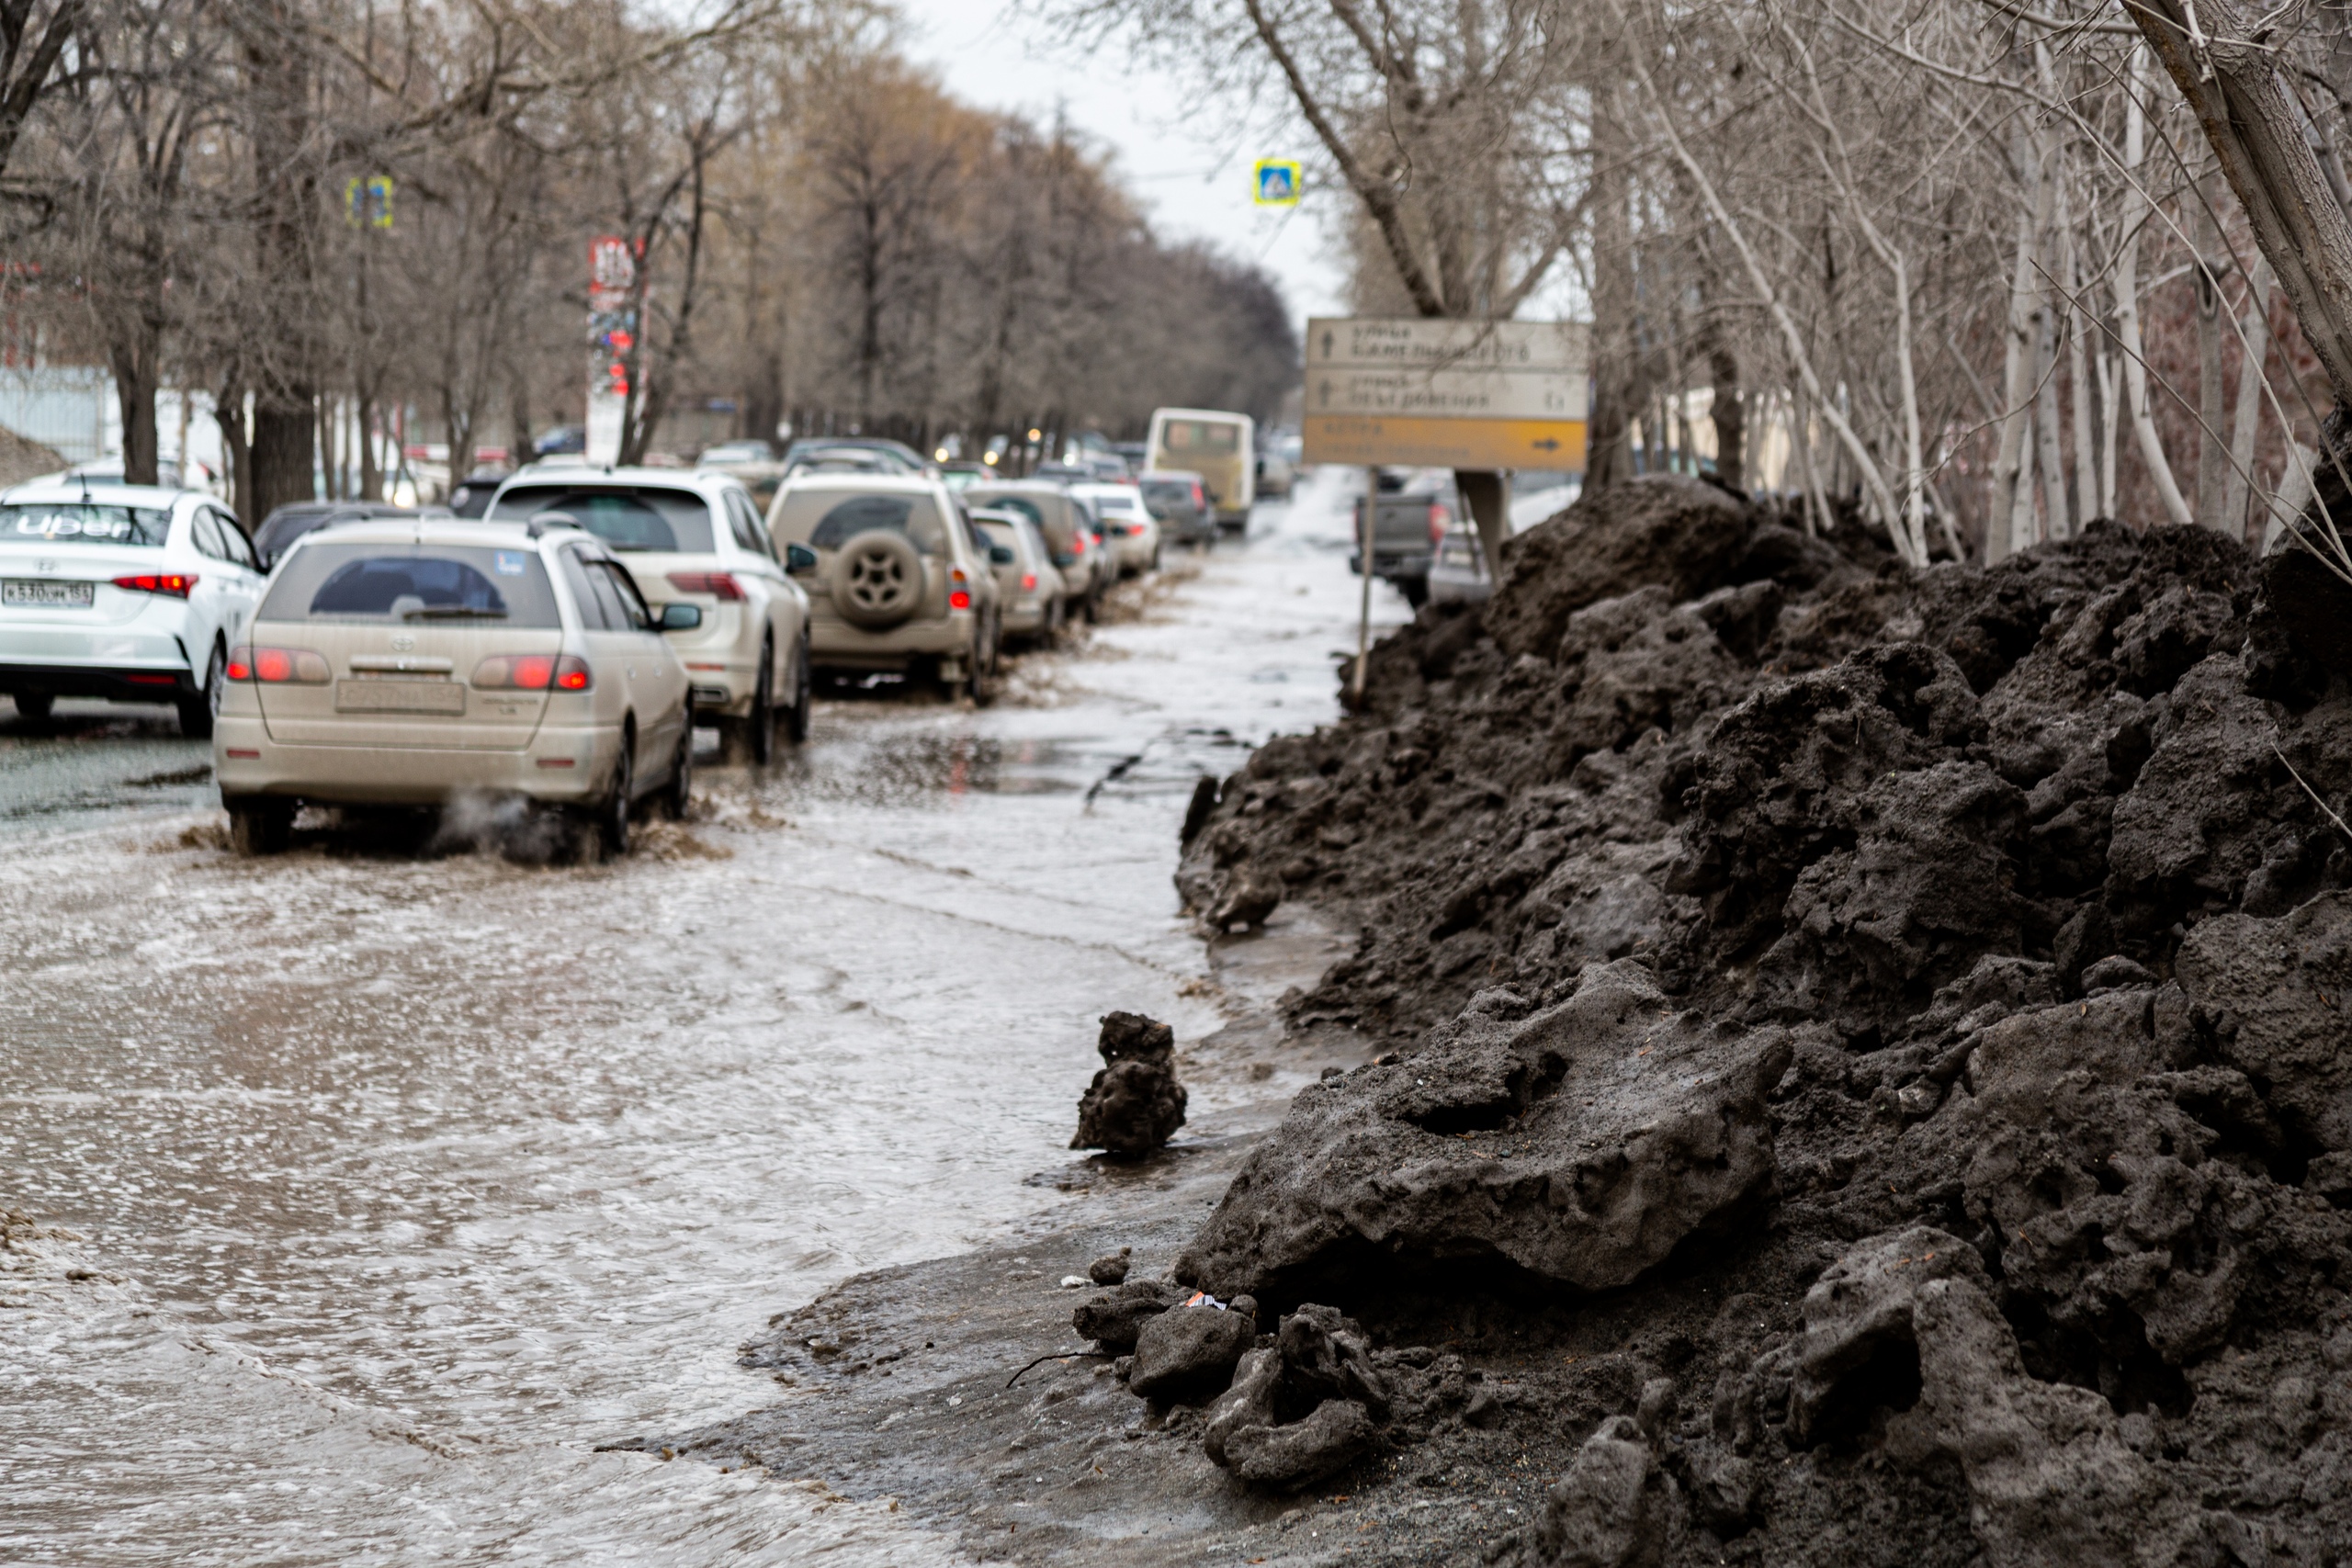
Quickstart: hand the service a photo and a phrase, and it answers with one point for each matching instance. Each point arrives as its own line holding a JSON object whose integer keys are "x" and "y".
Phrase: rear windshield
{"x": 81, "y": 523}
{"x": 412, "y": 583}
{"x": 624, "y": 516}
{"x": 1207, "y": 437}
{"x": 1003, "y": 534}
{"x": 1125, "y": 500}
{"x": 826, "y": 520}
{"x": 1168, "y": 489}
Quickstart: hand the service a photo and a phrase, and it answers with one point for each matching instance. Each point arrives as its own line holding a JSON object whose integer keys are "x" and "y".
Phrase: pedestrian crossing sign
{"x": 1277, "y": 182}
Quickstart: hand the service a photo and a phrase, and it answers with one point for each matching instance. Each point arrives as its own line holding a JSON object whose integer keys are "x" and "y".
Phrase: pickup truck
{"x": 1417, "y": 506}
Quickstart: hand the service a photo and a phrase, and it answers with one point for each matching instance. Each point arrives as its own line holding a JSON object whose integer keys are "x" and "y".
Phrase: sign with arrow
{"x": 1499, "y": 395}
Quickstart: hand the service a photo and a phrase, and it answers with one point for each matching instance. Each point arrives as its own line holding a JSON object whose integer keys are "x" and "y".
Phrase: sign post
{"x": 1483, "y": 398}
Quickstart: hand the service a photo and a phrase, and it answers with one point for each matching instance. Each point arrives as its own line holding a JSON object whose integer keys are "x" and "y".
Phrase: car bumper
{"x": 723, "y": 688}
{"x": 141, "y": 683}
{"x": 835, "y": 645}
{"x": 562, "y": 766}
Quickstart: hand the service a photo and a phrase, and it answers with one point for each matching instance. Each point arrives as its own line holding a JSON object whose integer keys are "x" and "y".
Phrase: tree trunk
{"x": 2017, "y": 391}
{"x": 1609, "y": 448}
{"x": 2127, "y": 303}
{"x": 2246, "y": 428}
{"x": 133, "y": 356}
{"x": 1728, "y": 411}
{"x": 2212, "y": 457}
{"x": 284, "y": 457}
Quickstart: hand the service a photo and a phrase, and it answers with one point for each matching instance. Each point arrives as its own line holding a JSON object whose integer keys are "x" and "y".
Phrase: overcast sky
{"x": 1187, "y": 165}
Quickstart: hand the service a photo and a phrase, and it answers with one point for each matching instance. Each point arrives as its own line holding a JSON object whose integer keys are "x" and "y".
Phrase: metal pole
{"x": 1363, "y": 612}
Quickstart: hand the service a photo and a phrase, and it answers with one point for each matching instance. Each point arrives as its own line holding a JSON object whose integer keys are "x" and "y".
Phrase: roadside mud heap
{"x": 1871, "y": 1048}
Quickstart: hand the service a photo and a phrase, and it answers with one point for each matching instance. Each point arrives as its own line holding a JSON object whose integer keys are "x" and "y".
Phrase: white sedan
{"x": 129, "y": 592}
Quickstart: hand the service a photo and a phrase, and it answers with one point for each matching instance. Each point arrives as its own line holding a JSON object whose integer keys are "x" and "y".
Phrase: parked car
{"x": 1219, "y": 447}
{"x": 1417, "y": 507}
{"x": 694, "y": 537}
{"x": 1276, "y": 474}
{"x": 1128, "y": 526}
{"x": 1137, "y": 453}
{"x": 842, "y": 460}
{"x": 1068, "y": 530}
{"x": 725, "y": 453}
{"x": 893, "y": 579}
{"x": 1028, "y": 586}
{"x": 405, "y": 663}
{"x": 564, "y": 440}
{"x": 471, "y": 497}
{"x": 905, "y": 459}
{"x": 1181, "y": 503}
{"x": 958, "y": 476}
{"x": 289, "y": 522}
{"x": 1458, "y": 569}
{"x": 129, "y": 592}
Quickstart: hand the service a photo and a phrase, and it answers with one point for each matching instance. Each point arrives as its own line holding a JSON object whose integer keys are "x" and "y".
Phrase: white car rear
{"x": 409, "y": 664}
{"x": 128, "y": 592}
{"x": 696, "y": 538}
{"x": 1129, "y": 528}
{"x": 1028, "y": 587}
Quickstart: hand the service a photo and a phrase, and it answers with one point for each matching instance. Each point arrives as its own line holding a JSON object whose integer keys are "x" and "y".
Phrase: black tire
{"x": 678, "y": 795}
{"x": 1416, "y": 590}
{"x": 197, "y": 712}
{"x": 1155, "y": 557}
{"x": 612, "y": 813}
{"x": 34, "y": 707}
{"x": 259, "y": 826}
{"x": 796, "y": 713}
{"x": 982, "y": 683}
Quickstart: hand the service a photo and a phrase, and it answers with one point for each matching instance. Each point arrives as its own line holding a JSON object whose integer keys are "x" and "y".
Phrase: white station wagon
{"x": 405, "y": 663}
{"x": 129, "y": 592}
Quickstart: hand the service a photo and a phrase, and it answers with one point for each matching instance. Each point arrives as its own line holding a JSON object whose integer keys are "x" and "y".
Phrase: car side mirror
{"x": 1001, "y": 555}
{"x": 799, "y": 558}
{"x": 680, "y": 617}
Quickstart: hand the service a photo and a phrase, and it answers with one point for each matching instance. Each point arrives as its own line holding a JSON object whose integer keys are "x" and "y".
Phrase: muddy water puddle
{"x": 403, "y": 1180}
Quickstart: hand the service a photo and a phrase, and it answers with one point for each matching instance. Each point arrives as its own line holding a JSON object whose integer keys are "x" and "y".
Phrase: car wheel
{"x": 761, "y": 727}
{"x": 196, "y": 713}
{"x": 1155, "y": 557}
{"x": 259, "y": 826}
{"x": 982, "y": 683}
{"x": 677, "y": 795}
{"x": 34, "y": 707}
{"x": 796, "y": 713}
{"x": 613, "y": 811}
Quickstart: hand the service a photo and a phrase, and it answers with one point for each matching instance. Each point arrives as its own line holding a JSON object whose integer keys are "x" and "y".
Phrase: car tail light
{"x": 279, "y": 666}
{"x": 960, "y": 597}
{"x": 1198, "y": 498}
{"x": 172, "y": 584}
{"x": 1028, "y": 581}
{"x": 533, "y": 673}
{"x": 719, "y": 584}
{"x": 1439, "y": 521}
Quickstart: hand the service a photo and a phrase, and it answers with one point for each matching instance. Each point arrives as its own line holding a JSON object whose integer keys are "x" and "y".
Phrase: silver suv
{"x": 894, "y": 578}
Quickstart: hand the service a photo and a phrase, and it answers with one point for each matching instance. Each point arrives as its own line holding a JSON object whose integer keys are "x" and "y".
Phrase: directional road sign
{"x": 1446, "y": 394}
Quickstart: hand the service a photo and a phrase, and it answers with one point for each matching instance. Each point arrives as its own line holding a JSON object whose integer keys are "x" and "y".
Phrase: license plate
{"x": 399, "y": 696}
{"x": 48, "y": 595}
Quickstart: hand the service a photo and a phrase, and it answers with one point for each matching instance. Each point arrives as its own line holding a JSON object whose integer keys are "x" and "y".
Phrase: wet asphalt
{"x": 359, "y": 1195}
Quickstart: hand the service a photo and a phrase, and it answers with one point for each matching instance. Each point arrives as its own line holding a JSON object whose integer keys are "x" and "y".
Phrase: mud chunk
{"x": 1337, "y": 1433}
{"x": 1327, "y": 1356}
{"x": 1858, "y": 1353}
{"x": 2289, "y": 984}
{"x": 1187, "y": 1354}
{"x": 1135, "y": 1103}
{"x": 1247, "y": 895}
{"x": 1112, "y": 1269}
{"x": 1664, "y": 529}
{"x": 1581, "y": 1144}
{"x": 1609, "y": 1510}
{"x": 1249, "y": 1402}
{"x": 1113, "y": 1318}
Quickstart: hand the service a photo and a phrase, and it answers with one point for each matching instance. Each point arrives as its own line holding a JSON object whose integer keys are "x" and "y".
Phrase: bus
{"x": 1218, "y": 446}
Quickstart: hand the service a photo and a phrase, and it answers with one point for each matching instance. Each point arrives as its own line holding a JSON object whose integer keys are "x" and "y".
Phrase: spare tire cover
{"x": 877, "y": 580}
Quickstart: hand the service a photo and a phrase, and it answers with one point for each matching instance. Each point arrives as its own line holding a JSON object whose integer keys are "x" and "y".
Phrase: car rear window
{"x": 627, "y": 518}
{"x": 411, "y": 583}
{"x": 1003, "y": 534}
{"x": 826, "y": 520}
{"x": 82, "y": 522}
{"x": 1168, "y": 489}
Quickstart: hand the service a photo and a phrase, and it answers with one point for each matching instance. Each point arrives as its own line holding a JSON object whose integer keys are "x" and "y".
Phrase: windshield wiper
{"x": 454, "y": 613}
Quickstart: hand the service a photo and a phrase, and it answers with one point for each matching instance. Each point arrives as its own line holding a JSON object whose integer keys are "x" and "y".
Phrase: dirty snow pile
{"x": 1907, "y": 1011}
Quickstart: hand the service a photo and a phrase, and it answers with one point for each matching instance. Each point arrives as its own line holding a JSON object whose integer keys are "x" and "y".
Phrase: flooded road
{"x": 397, "y": 1182}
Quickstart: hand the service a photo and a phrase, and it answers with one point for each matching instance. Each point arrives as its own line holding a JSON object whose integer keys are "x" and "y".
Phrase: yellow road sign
{"x": 1445, "y": 443}
{"x": 1275, "y": 182}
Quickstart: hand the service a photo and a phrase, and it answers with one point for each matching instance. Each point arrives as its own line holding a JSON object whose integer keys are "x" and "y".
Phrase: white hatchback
{"x": 409, "y": 663}
{"x": 1129, "y": 529}
{"x": 696, "y": 538}
{"x": 129, "y": 592}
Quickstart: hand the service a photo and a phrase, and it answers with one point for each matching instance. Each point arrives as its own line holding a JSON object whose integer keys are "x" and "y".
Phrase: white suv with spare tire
{"x": 897, "y": 579}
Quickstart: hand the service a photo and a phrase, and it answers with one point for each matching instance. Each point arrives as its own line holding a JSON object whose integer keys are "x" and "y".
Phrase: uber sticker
{"x": 510, "y": 563}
